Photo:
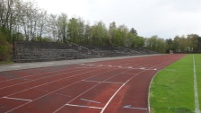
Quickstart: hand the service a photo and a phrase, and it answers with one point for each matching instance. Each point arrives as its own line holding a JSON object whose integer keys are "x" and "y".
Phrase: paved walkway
{"x": 19, "y": 66}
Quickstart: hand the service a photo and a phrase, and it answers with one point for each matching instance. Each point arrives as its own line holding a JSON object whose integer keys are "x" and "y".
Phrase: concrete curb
{"x": 20, "y": 66}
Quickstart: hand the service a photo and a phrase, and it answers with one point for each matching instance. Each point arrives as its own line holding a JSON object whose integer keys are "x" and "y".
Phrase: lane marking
{"x": 51, "y": 92}
{"x": 125, "y": 67}
{"x": 91, "y": 88}
{"x": 49, "y": 76}
{"x": 197, "y": 107}
{"x": 110, "y": 82}
{"x": 91, "y": 81}
{"x": 127, "y": 82}
{"x": 112, "y": 98}
{"x": 37, "y": 74}
{"x": 63, "y": 95}
{"x": 137, "y": 108}
{"x": 107, "y": 82}
{"x": 88, "y": 100}
{"x": 108, "y": 102}
{"x": 130, "y": 67}
{"x": 92, "y": 107}
{"x": 21, "y": 99}
{"x": 155, "y": 64}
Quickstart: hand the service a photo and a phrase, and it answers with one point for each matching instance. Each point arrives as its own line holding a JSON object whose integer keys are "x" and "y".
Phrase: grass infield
{"x": 172, "y": 90}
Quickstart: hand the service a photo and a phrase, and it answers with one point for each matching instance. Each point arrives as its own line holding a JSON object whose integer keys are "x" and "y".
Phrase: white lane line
{"x": 110, "y": 82}
{"x": 76, "y": 97}
{"x": 69, "y": 77}
{"x": 88, "y": 100}
{"x": 49, "y": 76}
{"x": 106, "y": 82}
{"x": 51, "y": 92}
{"x": 92, "y": 107}
{"x": 131, "y": 107}
{"x": 63, "y": 95}
{"x": 91, "y": 88}
{"x": 126, "y": 83}
{"x": 106, "y": 105}
{"x": 40, "y": 74}
{"x": 112, "y": 98}
{"x": 91, "y": 81}
{"x": 197, "y": 107}
{"x": 21, "y": 99}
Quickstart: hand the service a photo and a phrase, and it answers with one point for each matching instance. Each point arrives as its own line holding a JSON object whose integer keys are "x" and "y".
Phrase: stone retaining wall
{"x": 25, "y": 51}
{"x": 42, "y": 51}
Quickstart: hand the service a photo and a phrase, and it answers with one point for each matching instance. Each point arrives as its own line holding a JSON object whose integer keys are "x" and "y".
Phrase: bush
{"x": 4, "y": 48}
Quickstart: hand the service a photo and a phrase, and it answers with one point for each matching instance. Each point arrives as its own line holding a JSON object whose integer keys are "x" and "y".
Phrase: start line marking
{"x": 81, "y": 106}
{"x": 141, "y": 68}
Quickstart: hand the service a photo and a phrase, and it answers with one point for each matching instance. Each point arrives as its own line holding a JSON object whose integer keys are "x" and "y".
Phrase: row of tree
{"x": 25, "y": 21}
{"x": 179, "y": 44}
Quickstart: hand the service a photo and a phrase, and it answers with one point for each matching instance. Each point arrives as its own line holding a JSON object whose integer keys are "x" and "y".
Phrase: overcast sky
{"x": 165, "y": 18}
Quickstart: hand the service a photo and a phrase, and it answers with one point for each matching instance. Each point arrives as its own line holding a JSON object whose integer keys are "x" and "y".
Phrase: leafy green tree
{"x": 87, "y": 39}
{"x": 121, "y": 34}
{"x": 199, "y": 44}
{"x": 138, "y": 42}
{"x": 73, "y": 28}
{"x": 181, "y": 44}
{"x": 156, "y": 44}
{"x": 192, "y": 40}
{"x": 62, "y": 25}
{"x": 98, "y": 34}
{"x": 169, "y": 45}
{"x": 133, "y": 31}
{"x": 112, "y": 32}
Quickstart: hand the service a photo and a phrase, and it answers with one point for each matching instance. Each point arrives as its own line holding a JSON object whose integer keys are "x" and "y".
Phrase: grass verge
{"x": 6, "y": 62}
{"x": 172, "y": 90}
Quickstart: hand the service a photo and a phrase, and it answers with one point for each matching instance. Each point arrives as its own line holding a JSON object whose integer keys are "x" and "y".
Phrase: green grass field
{"x": 172, "y": 90}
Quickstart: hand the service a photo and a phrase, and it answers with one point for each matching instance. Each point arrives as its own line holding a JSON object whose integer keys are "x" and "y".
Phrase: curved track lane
{"x": 115, "y": 86}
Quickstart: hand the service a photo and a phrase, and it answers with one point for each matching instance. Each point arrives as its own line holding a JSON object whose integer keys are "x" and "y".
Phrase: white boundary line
{"x": 21, "y": 99}
{"x": 53, "y": 91}
{"x": 126, "y": 83}
{"x": 197, "y": 107}
{"x": 36, "y": 74}
{"x": 92, "y": 107}
{"x": 88, "y": 100}
{"x": 89, "y": 90}
{"x": 106, "y": 82}
{"x": 112, "y": 98}
{"x": 108, "y": 102}
{"x": 132, "y": 107}
{"x": 43, "y": 78}
{"x": 58, "y": 90}
{"x": 149, "y": 108}
{"x": 75, "y": 75}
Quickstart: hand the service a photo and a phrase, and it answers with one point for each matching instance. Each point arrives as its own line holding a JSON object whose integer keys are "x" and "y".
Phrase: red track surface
{"x": 116, "y": 86}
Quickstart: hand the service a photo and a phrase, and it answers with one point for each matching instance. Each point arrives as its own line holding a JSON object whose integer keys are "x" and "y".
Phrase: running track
{"x": 115, "y": 86}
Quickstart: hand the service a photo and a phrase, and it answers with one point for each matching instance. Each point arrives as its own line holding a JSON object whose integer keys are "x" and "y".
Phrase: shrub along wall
{"x": 5, "y": 48}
